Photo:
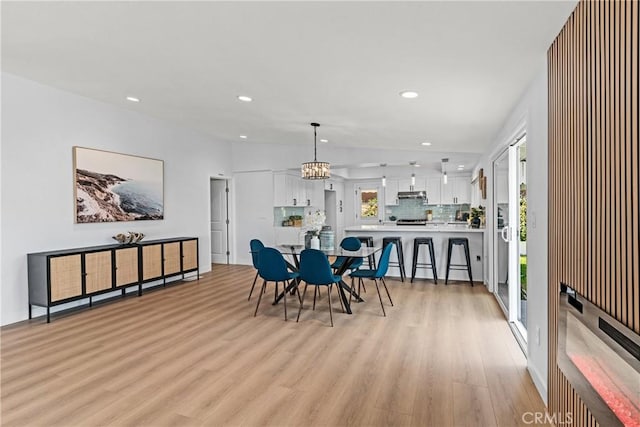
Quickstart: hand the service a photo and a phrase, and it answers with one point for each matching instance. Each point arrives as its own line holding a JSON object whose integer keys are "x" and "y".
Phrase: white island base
{"x": 440, "y": 236}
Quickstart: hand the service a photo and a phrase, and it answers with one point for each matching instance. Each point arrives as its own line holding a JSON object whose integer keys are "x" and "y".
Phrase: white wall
{"x": 531, "y": 112}
{"x": 40, "y": 125}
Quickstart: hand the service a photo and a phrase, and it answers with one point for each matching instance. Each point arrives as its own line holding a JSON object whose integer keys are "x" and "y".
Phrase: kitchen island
{"x": 440, "y": 234}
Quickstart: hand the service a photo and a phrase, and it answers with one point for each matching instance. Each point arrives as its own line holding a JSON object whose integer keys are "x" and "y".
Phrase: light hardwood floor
{"x": 193, "y": 354}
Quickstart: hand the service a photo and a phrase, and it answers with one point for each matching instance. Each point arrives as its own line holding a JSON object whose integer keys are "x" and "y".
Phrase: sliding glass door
{"x": 510, "y": 260}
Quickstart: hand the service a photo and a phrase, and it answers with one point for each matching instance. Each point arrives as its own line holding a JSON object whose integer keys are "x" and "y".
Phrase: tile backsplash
{"x": 416, "y": 209}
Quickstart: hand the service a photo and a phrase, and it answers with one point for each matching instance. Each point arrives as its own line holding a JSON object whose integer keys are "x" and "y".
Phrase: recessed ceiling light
{"x": 324, "y": 140}
{"x": 426, "y": 144}
{"x": 408, "y": 94}
{"x": 244, "y": 98}
{"x": 243, "y": 136}
{"x": 460, "y": 166}
{"x": 417, "y": 165}
{"x": 133, "y": 99}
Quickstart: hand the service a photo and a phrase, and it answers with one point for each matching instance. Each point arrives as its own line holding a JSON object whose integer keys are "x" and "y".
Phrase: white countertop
{"x": 440, "y": 228}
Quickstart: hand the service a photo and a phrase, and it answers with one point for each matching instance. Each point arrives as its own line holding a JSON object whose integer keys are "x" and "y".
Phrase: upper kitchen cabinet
{"x": 288, "y": 190}
{"x": 391, "y": 192}
{"x": 457, "y": 190}
{"x": 434, "y": 190}
{"x": 314, "y": 193}
{"x": 405, "y": 184}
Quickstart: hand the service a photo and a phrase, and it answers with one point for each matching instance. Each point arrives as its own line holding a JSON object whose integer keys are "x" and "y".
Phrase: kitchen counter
{"x": 440, "y": 228}
{"x": 440, "y": 234}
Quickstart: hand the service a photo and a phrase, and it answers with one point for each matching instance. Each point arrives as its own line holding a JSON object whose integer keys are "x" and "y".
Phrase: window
{"x": 369, "y": 204}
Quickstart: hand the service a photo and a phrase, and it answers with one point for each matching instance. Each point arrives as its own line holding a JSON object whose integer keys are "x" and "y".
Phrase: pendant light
{"x": 315, "y": 169}
{"x": 444, "y": 170}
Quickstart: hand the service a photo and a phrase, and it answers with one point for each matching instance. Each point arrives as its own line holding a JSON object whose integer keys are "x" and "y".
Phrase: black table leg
{"x": 295, "y": 282}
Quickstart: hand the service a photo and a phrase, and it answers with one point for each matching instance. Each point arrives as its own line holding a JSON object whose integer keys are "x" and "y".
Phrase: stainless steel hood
{"x": 412, "y": 195}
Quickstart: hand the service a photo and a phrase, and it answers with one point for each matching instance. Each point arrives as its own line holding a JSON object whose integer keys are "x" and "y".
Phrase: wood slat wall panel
{"x": 593, "y": 174}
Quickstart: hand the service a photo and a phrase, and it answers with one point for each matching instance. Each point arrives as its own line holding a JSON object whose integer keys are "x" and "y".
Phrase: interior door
{"x": 219, "y": 222}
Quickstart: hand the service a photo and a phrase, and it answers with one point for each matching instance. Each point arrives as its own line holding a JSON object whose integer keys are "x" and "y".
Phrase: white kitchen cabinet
{"x": 391, "y": 192}
{"x": 314, "y": 193}
{"x": 434, "y": 190}
{"x": 456, "y": 191}
{"x": 462, "y": 189}
{"x": 288, "y": 190}
{"x": 404, "y": 184}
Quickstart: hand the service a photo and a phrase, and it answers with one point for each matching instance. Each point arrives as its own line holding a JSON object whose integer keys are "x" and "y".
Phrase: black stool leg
{"x": 466, "y": 254}
{"x": 403, "y": 274}
{"x": 414, "y": 264}
{"x": 446, "y": 280}
{"x": 432, "y": 255}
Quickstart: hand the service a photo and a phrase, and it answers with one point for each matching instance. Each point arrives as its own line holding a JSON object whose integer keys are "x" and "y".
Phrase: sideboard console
{"x": 58, "y": 277}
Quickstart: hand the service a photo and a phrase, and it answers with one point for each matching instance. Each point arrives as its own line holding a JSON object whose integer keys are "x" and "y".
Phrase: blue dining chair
{"x": 256, "y": 246}
{"x": 315, "y": 270}
{"x": 348, "y": 244}
{"x": 273, "y": 268}
{"x": 379, "y": 273}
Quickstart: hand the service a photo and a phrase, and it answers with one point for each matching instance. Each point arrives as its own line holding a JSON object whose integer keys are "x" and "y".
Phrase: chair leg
{"x": 403, "y": 273}
{"x": 315, "y": 291}
{"x": 275, "y": 294}
{"x": 385, "y": 288}
{"x": 255, "y": 279}
{"x": 284, "y": 297}
{"x": 298, "y": 291}
{"x": 414, "y": 264}
{"x": 379, "y": 297}
{"x": 304, "y": 292}
{"x": 432, "y": 255}
{"x": 446, "y": 279}
{"x": 466, "y": 254}
{"x": 330, "y": 310}
{"x": 264, "y": 286}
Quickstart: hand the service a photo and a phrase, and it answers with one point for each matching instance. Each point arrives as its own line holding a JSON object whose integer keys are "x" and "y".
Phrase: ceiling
{"x": 341, "y": 64}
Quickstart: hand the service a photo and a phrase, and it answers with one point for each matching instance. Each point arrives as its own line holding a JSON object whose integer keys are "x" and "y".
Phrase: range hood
{"x": 412, "y": 195}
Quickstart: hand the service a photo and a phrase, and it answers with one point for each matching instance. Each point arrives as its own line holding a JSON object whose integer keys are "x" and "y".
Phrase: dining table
{"x": 344, "y": 289}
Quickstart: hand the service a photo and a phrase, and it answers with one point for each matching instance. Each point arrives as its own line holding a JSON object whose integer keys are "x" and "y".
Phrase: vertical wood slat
{"x": 594, "y": 159}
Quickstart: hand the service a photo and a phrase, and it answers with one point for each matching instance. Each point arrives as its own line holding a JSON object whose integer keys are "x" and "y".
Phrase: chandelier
{"x": 315, "y": 169}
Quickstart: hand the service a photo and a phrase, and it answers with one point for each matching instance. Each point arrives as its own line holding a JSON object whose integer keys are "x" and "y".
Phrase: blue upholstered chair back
{"x": 272, "y": 266}
{"x": 256, "y": 246}
{"x": 383, "y": 264}
{"x": 315, "y": 268}
{"x": 351, "y": 244}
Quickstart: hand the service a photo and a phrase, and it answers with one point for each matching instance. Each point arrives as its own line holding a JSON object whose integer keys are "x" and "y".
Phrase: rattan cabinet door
{"x": 171, "y": 258}
{"x": 97, "y": 267}
{"x": 65, "y": 274}
{"x": 189, "y": 255}
{"x": 151, "y": 261}
{"x": 126, "y": 266}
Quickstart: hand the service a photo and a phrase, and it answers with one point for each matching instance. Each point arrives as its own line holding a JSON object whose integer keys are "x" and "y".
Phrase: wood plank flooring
{"x": 193, "y": 354}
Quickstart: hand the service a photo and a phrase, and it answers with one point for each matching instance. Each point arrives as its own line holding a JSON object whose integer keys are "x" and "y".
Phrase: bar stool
{"x": 400, "y": 262}
{"x": 465, "y": 243}
{"x": 417, "y": 242}
{"x": 368, "y": 242}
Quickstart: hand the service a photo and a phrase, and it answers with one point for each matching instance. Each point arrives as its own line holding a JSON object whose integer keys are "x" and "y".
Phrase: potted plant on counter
{"x": 477, "y": 217}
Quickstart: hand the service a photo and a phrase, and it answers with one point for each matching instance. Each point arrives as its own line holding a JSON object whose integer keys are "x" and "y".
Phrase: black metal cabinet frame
{"x": 39, "y": 271}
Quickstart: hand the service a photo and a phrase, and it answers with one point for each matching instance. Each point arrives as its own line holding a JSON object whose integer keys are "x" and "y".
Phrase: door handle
{"x": 506, "y": 237}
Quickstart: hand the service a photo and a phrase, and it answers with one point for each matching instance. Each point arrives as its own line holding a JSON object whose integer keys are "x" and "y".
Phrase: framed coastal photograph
{"x": 111, "y": 187}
